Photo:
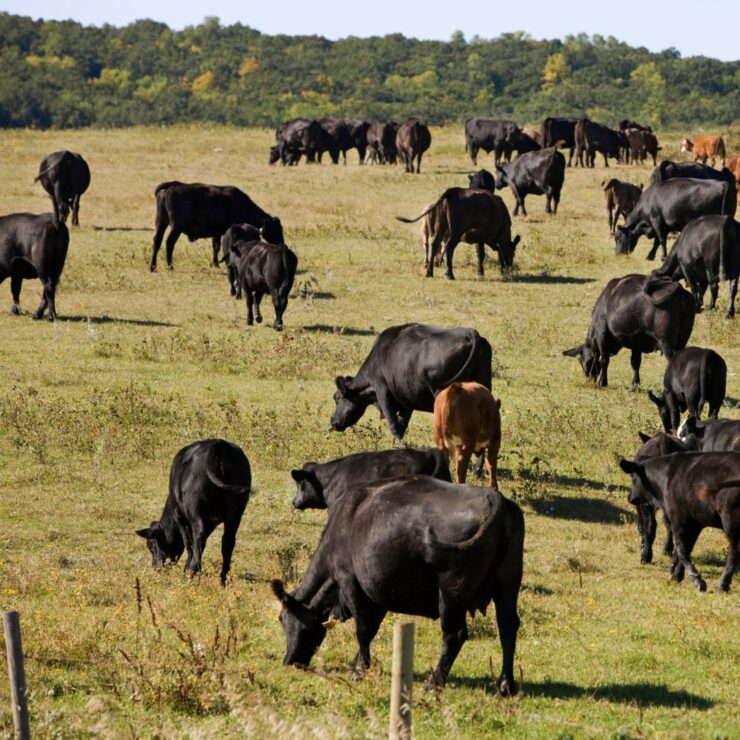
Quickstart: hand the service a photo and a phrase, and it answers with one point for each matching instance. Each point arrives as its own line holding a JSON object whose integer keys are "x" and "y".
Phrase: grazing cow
{"x": 473, "y": 216}
{"x": 358, "y": 137}
{"x": 704, "y": 148}
{"x": 33, "y": 246}
{"x": 534, "y": 173}
{"x": 706, "y": 251}
{"x": 412, "y": 140}
{"x": 381, "y": 142}
{"x": 640, "y": 312}
{"x": 668, "y": 170}
{"x": 204, "y": 212}
{"x": 210, "y": 482}
{"x": 415, "y": 546}
{"x": 467, "y": 420}
{"x": 693, "y": 377}
{"x": 405, "y": 369}
{"x": 265, "y": 268}
{"x": 334, "y": 139}
{"x": 625, "y": 123}
{"x": 713, "y": 435}
{"x": 593, "y": 137}
{"x": 482, "y": 180}
{"x": 621, "y": 198}
{"x": 559, "y": 132}
{"x": 642, "y": 144}
{"x": 322, "y": 485}
{"x": 656, "y": 446}
{"x": 65, "y": 176}
{"x": 302, "y": 136}
{"x": 696, "y": 490}
{"x": 500, "y": 137}
{"x": 668, "y": 206}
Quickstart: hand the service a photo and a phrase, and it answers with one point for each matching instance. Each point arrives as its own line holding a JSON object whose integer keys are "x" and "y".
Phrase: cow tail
{"x": 441, "y": 469}
{"x": 62, "y": 246}
{"x": 44, "y": 172}
{"x": 227, "y": 488}
{"x": 726, "y": 239}
{"x": 421, "y": 215}
{"x": 728, "y": 195}
{"x": 471, "y": 358}
{"x": 704, "y": 372}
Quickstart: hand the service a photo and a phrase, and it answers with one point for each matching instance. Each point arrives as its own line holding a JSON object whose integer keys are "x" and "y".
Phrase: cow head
{"x": 274, "y": 155}
{"x": 641, "y": 488}
{"x": 302, "y": 625}
{"x": 272, "y": 230}
{"x": 502, "y": 178}
{"x": 310, "y": 493}
{"x": 625, "y": 240}
{"x": 663, "y": 410}
{"x": 165, "y": 544}
{"x": 589, "y": 360}
{"x": 507, "y": 251}
{"x": 687, "y": 145}
{"x": 351, "y": 403}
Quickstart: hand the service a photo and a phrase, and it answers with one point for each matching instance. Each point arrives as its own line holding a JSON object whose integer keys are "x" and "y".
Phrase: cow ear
{"x": 145, "y": 533}
{"x": 628, "y": 466}
{"x": 278, "y": 588}
{"x": 644, "y": 437}
{"x": 515, "y": 242}
{"x": 342, "y": 382}
{"x": 500, "y": 169}
{"x": 641, "y": 185}
{"x": 657, "y": 400}
{"x": 235, "y": 250}
{"x": 574, "y": 351}
{"x": 298, "y": 475}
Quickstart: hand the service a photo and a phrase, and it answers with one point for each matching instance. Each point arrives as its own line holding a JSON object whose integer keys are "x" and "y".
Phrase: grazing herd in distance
{"x": 456, "y": 548}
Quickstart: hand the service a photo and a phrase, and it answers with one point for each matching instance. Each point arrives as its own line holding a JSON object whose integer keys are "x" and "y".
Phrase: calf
{"x": 467, "y": 420}
{"x": 65, "y": 176}
{"x": 693, "y": 377}
{"x": 706, "y": 251}
{"x": 322, "y": 485}
{"x": 210, "y": 482}
{"x": 696, "y": 490}
{"x": 713, "y": 435}
{"x": 265, "y": 268}
{"x": 621, "y": 198}
{"x": 656, "y": 446}
{"x": 33, "y": 246}
{"x": 483, "y": 180}
{"x": 705, "y": 147}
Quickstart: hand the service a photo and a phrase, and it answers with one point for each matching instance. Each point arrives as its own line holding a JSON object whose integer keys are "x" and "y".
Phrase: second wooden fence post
{"x": 402, "y": 676}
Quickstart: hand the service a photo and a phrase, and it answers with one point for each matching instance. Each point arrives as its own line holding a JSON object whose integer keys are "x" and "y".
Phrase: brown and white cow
{"x": 705, "y": 147}
{"x": 467, "y": 420}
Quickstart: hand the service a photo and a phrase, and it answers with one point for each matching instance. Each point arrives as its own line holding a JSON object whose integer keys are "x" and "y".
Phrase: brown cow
{"x": 412, "y": 140}
{"x": 705, "y": 147}
{"x": 733, "y": 164}
{"x": 621, "y": 198}
{"x": 467, "y": 420}
{"x": 642, "y": 144}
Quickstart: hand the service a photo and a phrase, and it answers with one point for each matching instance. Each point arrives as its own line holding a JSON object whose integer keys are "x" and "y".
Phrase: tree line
{"x": 65, "y": 75}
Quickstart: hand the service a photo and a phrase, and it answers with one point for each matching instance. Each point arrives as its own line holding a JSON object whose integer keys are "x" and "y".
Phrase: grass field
{"x": 94, "y": 407}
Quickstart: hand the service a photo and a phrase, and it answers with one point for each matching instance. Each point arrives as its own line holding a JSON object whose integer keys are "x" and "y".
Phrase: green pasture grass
{"x": 94, "y": 407}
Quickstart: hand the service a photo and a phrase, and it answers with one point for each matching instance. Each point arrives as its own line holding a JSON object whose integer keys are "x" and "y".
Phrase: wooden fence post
{"x": 402, "y": 676}
{"x": 12, "y": 627}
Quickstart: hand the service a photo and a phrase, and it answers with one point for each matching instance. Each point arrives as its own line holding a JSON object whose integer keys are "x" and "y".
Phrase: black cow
{"x": 640, "y": 312}
{"x": 411, "y": 546}
{"x": 412, "y": 140}
{"x": 210, "y": 482}
{"x": 593, "y": 137}
{"x": 713, "y": 435}
{"x": 205, "y": 212}
{"x": 498, "y": 136}
{"x": 358, "y": 137}
{"x": 668, "y": 206}
{"x": 696, "y": 490}
{"x": 33, "y": 246}
{"x": 65, "y": 176}
{"x": 322, "y": 485}
{"x": 264, "y": 268}
{"x": 301, "y": 136}
{"x": 381, "y": 141}
{"x": 668, "y": 170}
{"x": 534, "y": 173}
{"x": 706, "y": 251}
{"x": 656, "y": 446}
{"x": 625, "y": 123}
{"x": 693, "y": 377}
{"x": 560, "y": 132}
{"x": 405, "y": 369}
{"x": 482, "y": 180}
{"x": 270, "y": 232}
{"x": 525, "y": 142}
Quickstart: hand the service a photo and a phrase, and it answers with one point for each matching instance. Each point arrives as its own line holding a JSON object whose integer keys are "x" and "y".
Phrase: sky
{"x": 694, "y": 28}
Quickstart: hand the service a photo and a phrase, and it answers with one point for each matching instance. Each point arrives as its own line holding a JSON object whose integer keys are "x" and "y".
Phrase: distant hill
{"x": 63, "y": 74}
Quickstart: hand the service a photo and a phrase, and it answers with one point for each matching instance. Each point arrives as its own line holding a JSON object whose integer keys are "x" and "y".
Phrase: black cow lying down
{"x": 260, "y": 269}
{"x": 696, "y": 490}
{"x": 641, "y": 313}
{"x": 33, "y": 246}
{"x": 411, "y": 546}
{"x": 405, "y": 369}
{"x": 205, "y": 212}
{"x": 322, "y": 485}
{"x": 210, "y": 481}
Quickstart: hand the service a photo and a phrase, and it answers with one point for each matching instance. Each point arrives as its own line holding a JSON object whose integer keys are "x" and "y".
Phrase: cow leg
{"x": 172, "y": 238}
{"x": 713, "y": 290}
{"x": 228, "y": 541}
{"x": 480, "y": 250}
{"x": 653, "y": 251}
{"x": 603, "y": 381}
{"x": 15, "y": 289}
{"x": 684, "y": 538}
{"x": 463, "y": 453}
{"x": 201, "y": 531}
{"x": 492, "y": 462}
{"x": 76, "y": 210}
{"x": 646, "y": 526}
{"x": 257, "y": 311}
{"x": 733, "y": 557}
{"x": 157, "y": 243}
{"x": 454, "y": 635}
{"x": 668, "y": 544}
{"x": 278, "y": 306}
{"x": 368, "y": 618}
{"x": 216, "y": 241}
{"x": 478, "y": 469}
{"x": 635, "y": 362}
{"x": 61, "y": 209}
{"x": 520, "y": 201}
{"x": 606, "y": 161}
{"x": 250, "y": 304}
{"x": 418, "y": 164}
{"x": 452, "y": 242}
{"x": 47, "y": 300}
{"x": 612, "y": 222}
{"x": 733, "y": 293}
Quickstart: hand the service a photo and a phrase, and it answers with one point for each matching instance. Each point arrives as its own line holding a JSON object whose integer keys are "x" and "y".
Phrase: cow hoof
{"x": 729, "y": 315}
{"x": 701, "y": 584}
{"x": 170, "y": 267}
{"x": 152, "y": 268}
{"x": 722, "y": 588}
{"x": 646, "y": 559}
{"x": 433, "y": 683}
{"x": 650, "y": 257}
{"x": 258, "y": 319}
{"x": 15, "y": 311}
{"x": 250, "y": 323}
{"x": 506, "y": 687}
{"x": 38, "y": 315}
{"x": 278, "y": 327}
{"x": 450, "y": 276}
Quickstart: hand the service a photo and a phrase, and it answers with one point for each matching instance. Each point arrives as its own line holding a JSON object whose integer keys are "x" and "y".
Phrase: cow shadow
{"x": 579, "y": 509}
{"x": 319, "y": 295}
{"x": 346, "y": 330}
{"x": 120, "y": 228}
{"x": 730, "y": 402}
{"x": 551, "y": 279}
{"x": 113, "y": 320}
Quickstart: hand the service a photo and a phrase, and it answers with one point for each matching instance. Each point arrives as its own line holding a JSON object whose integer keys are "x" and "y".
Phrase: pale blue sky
{"x": 706, "y": 28}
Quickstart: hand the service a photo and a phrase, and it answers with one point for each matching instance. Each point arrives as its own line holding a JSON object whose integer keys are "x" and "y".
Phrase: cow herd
{"x": 400, "y": 536}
